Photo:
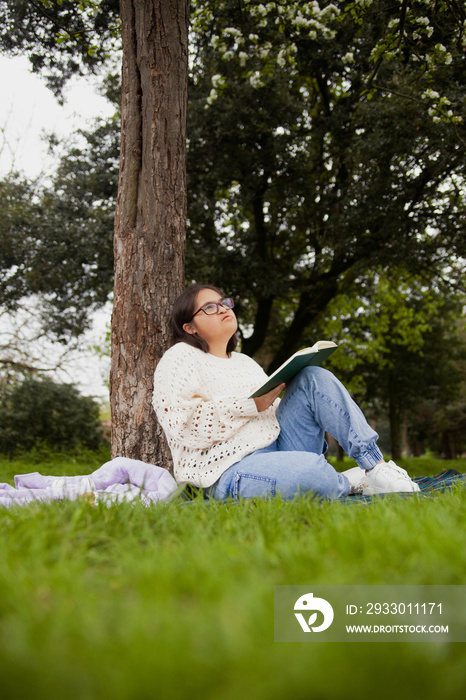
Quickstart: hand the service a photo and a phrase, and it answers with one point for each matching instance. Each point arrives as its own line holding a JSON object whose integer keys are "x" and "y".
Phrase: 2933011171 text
{"x": 396, "y": 608}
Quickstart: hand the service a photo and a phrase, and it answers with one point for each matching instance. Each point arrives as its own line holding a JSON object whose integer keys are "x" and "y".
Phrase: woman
{"x": 234, "y": 446}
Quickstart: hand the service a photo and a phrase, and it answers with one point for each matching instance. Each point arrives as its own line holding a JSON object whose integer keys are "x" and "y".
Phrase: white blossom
{"x": 281, "y": 58}
{"x": 232, "y": 31}
{"x": 255, "y": 80}
{"x": 433, "y": 94}
{"x": 212, "y": 97}
{"x": 217, "y": 80}
{"x": 331, "y": 10}
{"x": 299, "y": 20}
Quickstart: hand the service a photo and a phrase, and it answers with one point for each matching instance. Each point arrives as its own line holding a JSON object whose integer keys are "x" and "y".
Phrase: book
{"x": 306, "y": 357}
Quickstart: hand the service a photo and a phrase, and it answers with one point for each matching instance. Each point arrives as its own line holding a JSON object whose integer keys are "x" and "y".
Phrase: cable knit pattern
{"x": 202, "y": 404}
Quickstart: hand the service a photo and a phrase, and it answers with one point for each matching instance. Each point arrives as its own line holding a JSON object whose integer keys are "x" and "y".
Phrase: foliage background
{"x": 326, "y": 158}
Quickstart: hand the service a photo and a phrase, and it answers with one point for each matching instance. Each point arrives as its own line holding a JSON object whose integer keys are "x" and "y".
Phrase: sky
{"x": 28, "y": 110}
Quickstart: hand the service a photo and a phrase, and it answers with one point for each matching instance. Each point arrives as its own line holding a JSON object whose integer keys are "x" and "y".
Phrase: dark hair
{"x": 182, "y": 312}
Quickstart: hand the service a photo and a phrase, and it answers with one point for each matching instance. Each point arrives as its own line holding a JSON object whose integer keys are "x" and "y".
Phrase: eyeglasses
{"x": 213, "y": 306}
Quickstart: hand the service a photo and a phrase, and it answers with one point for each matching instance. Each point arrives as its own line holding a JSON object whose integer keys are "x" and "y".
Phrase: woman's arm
{"x": 266, "y": 400}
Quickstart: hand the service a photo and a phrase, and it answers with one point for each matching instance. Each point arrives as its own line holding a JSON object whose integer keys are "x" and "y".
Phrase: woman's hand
{"x": 263, "y": 402}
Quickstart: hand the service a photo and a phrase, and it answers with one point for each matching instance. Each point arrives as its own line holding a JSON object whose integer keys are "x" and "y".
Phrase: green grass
{"x": 46, "y": 461}
{"x": 176, "y": 601}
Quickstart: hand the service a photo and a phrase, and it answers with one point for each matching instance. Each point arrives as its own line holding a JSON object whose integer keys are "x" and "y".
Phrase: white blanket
{"x": 121, "y": 479}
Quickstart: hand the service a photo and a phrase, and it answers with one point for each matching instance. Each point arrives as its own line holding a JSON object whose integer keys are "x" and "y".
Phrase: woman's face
{"x": 217, "y": 328}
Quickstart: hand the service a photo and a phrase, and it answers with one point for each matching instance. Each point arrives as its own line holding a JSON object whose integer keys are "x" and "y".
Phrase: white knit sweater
{"x": 202, "y": 404}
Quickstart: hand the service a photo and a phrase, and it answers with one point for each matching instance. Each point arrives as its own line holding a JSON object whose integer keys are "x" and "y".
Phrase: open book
{"x": 303, "y": 358}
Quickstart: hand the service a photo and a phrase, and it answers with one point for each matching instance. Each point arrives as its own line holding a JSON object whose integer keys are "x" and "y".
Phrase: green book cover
{"x": 303, "y": 358}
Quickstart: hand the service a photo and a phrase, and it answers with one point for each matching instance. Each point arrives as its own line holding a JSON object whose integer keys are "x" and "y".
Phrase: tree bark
{"x": 395, "y": 422}
{"x": 150, "y": 218}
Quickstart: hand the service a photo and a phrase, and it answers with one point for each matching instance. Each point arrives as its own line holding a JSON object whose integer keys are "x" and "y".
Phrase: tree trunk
{"x": 406, "y": 449}
{"x": 395, "y": 422}
{"x": 448, "y": 445}
{"x": 150, "y": 219}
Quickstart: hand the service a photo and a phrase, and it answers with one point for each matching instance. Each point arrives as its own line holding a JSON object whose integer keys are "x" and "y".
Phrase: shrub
{"x": 40, "y": 411}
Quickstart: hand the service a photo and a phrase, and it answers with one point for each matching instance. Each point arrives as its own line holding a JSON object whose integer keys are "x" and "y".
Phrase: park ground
{"x": 177, "y": 600}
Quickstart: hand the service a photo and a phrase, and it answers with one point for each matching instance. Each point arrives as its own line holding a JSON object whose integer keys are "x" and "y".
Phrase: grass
{"x": 176, "y": 601}
{"x": 46, "y": 461}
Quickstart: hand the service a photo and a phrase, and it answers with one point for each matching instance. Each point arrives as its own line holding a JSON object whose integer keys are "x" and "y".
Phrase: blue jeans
{"x": 314, "y": 402}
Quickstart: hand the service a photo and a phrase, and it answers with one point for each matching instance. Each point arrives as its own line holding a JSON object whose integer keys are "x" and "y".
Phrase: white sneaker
{"x": 387, "y": 477}
{"x": 356, "y": 477}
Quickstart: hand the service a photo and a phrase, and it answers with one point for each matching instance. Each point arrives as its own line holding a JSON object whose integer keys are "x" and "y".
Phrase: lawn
{"x": 176, "y": 600}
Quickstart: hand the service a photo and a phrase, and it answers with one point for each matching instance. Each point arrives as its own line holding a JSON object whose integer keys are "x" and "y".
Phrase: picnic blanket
{"x": 121, "y": 479}
{"x": 125, "y": 480}
{"x": 429, "y": 486}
